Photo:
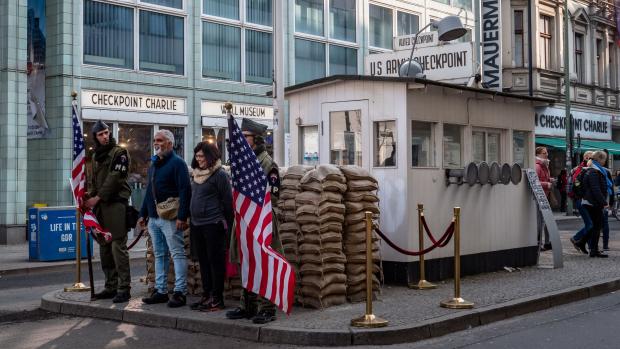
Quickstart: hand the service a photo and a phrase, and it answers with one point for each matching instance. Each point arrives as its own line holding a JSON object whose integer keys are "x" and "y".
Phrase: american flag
{"x": 78, "y": 178}
{"x": 263, "y": 270}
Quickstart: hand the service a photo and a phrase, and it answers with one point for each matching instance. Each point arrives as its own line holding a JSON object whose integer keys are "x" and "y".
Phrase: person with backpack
{"x": 576, "y": 193}
{"x": 597, "y": 188}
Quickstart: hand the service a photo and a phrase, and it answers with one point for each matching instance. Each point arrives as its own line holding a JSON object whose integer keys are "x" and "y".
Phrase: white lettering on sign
{"x": 405, "y": 42}
{"x": 134, "y": 102}
{"x": 491, "y": 44}
{"x": 213, "y": 108}
{"x": 552, "y": 122}
{"x": 446, "y": 62}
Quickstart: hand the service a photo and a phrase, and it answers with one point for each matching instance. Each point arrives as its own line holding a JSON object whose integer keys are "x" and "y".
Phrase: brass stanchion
{"x": 369, "y": 320}
{"x": 422, "y": 284}
{"x": 457, "y": 302}
{"x": 78, "y": 286}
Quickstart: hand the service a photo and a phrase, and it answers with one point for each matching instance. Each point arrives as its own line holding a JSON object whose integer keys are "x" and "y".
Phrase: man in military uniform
{"x": 108, "y": 195}
{"x": 252, "y": 306}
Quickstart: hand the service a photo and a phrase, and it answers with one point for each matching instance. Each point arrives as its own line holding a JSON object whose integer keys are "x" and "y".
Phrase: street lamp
{"x": 449, "y": 28}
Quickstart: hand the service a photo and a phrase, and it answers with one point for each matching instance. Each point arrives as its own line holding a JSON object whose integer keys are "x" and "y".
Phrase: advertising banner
{"x": 491, "y": 36}
{"x": 37, "y": 123}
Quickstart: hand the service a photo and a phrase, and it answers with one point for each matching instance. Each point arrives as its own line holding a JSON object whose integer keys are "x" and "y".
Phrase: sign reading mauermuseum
{"x": 425, "y": 39}
{"x": 491, "y": 35}
{"x": 133, "y": 102}
{"x": 446, "y": 62}
{"x": 213, "y": 108}
{"x": 552, "y": 122}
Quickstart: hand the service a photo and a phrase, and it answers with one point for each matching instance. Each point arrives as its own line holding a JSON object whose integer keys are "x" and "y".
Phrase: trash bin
{"x": 51, "y": 234}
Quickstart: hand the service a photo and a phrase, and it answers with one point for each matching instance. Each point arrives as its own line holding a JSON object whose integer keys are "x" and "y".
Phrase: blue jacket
{"x": 595, "y": 186}
{"x": 171, "y": 179}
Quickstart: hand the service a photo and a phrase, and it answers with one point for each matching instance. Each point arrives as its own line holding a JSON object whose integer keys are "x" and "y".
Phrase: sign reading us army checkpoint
{"x": 441, "y": 63}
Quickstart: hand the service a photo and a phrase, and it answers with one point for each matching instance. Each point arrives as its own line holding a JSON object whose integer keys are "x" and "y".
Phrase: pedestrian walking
{"x": 108, "y": 196}
{"x": 597, "y": 191}
{"x": 579, "y": 239}
{"x": 166, "y": 207}
{"x": 211, "y": 216}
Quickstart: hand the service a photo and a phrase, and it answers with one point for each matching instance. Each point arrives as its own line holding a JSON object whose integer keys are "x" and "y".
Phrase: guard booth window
{"x": 422, "y": 140}
{"x": 520, "y": 148}
{"x": 486, "y": 146}
{"x": 309, "y": 150}
{"x": 345, "y": 137}
{"x": 384, "y": 139}
{"x": 452, "y": 146}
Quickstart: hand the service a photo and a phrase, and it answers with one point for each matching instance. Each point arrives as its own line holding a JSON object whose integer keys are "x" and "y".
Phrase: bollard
{"x": 422, "y": 284}
{"x": 369, "y": 320}
{"x": 457, "y": 302}
{"x": 78, "y": 286}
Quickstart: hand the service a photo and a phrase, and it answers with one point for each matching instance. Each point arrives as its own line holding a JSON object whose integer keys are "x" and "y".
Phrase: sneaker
{"x": 237, "y": 314}
{"x": 105, "y": 294}
{"x": 215, "y": 305}
{"x": 178, "y": 300}
{"x": 122, "y": 297}
{"x": 156, "y": 298}
{"x": 202, "y": 303}
{"x": 597, "y": 254}
{"x": 547, "y": 246}
{"x": 264, "y": 316}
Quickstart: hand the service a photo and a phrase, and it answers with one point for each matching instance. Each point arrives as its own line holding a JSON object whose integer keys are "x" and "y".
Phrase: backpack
{"x": 578, "y": 187}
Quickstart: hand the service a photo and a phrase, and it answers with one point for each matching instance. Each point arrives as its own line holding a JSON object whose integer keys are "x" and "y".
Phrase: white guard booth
{"x": 407, "y": 132}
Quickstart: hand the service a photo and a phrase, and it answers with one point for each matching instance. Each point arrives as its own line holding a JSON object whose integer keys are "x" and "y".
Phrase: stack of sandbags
{"x": 150, "y": 264}
{"x": 320, "y": 215}
{"x": 361, "y": 196}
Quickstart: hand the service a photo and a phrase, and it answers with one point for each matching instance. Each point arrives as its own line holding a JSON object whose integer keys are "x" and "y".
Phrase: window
{"x": 224, "y": 53}
{"x": 161, "y": 42}
{"x": 222, "y": 8}
{"x": 179, "y": 139}
{"x": 309, "y": 150}
{"x": 380, "y": 27}
{"x": 168, "y": 3}
{"x": 342, "y": 60}
{"x": 465, "y": 4}
{"x": 422, "y": 144}
{"x": 345, "y": 137}
{"x": 309, "y": 60}
{"x": 309, "y": 17}
{"x": 138, "y": 140}
{"x": 613, "y": 67}
{"x": 546, "y": 34}
{"x": 342, "y": 20}
{"x": 452, "y": 146}
{"x": 407, "y": 23}
{"x": 519, "y": 148}
{"x": 215, "y": 136}
{"x": 600, "y": 62}
{"x": 108, "y": 35}
{"x": 518, "y": 55}
{"x": 447, "y": 2}
{"x": 579, "y": 57}
{"x": 384, "y": 143}
{"x": 486, "y": 146}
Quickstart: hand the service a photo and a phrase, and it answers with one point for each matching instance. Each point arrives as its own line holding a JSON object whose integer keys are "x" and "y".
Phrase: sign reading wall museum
{"x": 552, "y": 122}
{"x": 440, "y": 63}
{"x": 214, "y": 108}
{"x": 425, "y": 39}
{"x": 132, "y": 102}
{"x": 491, "y": 32}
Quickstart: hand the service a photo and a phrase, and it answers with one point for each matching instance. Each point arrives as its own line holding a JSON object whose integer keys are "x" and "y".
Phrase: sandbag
{"x": 352, "y": 172}
{"x": 362, "y": 185}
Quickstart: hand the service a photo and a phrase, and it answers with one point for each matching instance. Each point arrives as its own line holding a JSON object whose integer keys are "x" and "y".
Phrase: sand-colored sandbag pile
{"x": 320, "y": 215}
{"x": 361, "y": 196}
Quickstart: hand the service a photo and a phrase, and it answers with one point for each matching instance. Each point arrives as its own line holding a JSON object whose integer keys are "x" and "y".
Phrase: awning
{"x": 586, "y": 144}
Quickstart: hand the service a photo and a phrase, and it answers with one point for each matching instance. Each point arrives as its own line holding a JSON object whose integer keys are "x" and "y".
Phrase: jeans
{"x": 210, "y": 247}
{"x": 587, "y": 221}
{"x": 596, "y": 213}
{"x": 168, "y": 240}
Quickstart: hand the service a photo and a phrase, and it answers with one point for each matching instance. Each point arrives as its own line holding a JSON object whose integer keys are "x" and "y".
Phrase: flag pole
{"x": 78, "y": 286}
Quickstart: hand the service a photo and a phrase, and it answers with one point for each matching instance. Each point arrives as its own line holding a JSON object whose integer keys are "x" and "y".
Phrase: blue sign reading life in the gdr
{"x": 52, "y": 234}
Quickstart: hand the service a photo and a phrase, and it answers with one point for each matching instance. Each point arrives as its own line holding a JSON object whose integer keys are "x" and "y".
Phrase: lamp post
{"x": 567, "y": 116}
{"x": 449, "y": 28}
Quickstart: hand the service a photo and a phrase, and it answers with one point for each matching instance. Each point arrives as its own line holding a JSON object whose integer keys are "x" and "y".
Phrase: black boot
{"x": 156, "y": 298}
{"x": 264, "y": 316}
{"x": 201, "y": 304}
{"x": 237, "y": 314}
{"x": 216, "y": 304}
{"x": 178, "y": 300}
{"x": 105, "y": 294}
{"x": 122, "y": 297}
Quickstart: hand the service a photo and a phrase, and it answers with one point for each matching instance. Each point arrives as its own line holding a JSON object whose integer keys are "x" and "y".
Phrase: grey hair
{"x": 588, "y": 154}
{"x": 166, "y": 133}
{"x": 599, "y": 156}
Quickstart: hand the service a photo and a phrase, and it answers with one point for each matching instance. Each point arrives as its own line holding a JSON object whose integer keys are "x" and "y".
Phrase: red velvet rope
{"x": 430, "y": 235}
{"x": 444, "y": 240}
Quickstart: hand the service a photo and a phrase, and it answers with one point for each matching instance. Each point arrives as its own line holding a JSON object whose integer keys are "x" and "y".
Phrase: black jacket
{"x": 595, "y": 186}
{"x": 211, "y": 201}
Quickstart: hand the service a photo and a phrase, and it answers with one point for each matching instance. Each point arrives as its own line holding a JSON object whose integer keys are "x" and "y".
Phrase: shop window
{"x": 178, "y": 4}
{"x": 309, "y": 150}
{"x": 221, "y": 51}
{"x": 216, "y": 136}
{"x": 258, "y": 59}
{"x": 259, "y": 12}
{"x": 407, "y": 23}
{"x": 345, "y": 137}
{"x": 309, "y": 60}
{"x": 422, "y": 144}
{"x": 486, "y": 146}
{"x": 342, "y": 20}
{"x": 520, "y": 151}
{"x": 138, "y": 140}
{"x": 380, "y": 31}
{"x": 161, "y": 43}
{"x": 342, "y": 60}
{"x": 384, "y": 143}
{"x": 108, "y": 35}
{"x": 452, "y": 146}
{"x": 221, "y": 8}
{"x": 179, "y": 139}
{"x": 309, "y": 17}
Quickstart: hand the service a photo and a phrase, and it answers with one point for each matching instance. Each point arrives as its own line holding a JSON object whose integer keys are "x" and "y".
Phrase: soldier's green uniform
{"x": 110, "y": 166}
{"x": 250, "y": 302}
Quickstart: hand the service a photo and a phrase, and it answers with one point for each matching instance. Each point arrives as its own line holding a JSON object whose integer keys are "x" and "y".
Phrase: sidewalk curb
{"x": 277, "y": 333}
{"x": 69, "y": 266}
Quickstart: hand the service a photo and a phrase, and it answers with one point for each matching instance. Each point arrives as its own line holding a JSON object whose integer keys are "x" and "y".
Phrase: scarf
{"x": 601, "y": 169}
{"x": 101, "y": 152}
{"x": 201, "y": 176}
{"x": 544, "y": 161}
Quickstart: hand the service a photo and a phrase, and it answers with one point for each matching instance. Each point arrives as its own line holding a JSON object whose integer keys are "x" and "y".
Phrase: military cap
{"x": 98, "y": 127}
{"x": 253, "y": 127}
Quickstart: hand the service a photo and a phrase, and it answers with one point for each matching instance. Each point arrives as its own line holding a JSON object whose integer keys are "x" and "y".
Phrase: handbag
{"x": 168, "y": 209}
